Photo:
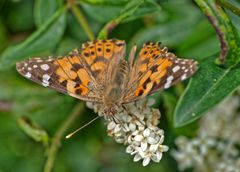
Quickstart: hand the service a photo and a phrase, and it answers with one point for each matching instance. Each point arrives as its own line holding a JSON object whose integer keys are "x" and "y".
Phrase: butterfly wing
{"x": 77, "y": 74}
{"x": 156, "y": 69}
{"x": 101, "y": 59}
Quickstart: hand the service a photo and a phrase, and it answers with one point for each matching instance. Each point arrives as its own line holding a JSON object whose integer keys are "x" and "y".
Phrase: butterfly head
{"x": 109, "y": 110}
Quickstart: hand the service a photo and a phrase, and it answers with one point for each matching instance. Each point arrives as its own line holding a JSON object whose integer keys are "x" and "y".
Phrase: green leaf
{"x": 105, "y": 2}
{"x": 101, "y": 13}
{"x": 144, "y": 10}
{"x": 105, "y": 12}
{"x": 43, "y": 40}
{"x": 45, "y": 9}
{"x": 33, "y": 130}
{"x": 76, "y": 31}
{"x": 171, "y": 25}
{"x": 129, "y": 10}
{"x": 199, "y": 46}
{"x": 3, "y": 35}
{"x": 164, "y": 33}
{"x": 126, "y": 14}
{"x": 19, "y": 16}
{"x": 207, "y": 87}
{"x": 66, "y": 45}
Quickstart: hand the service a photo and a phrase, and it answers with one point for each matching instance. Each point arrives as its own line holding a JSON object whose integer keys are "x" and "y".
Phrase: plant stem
{"x": 81, "y": 19}
{"x": 229, "y": 6}
{"x": 127, "y": 11}
{"x": 56, "y": 140}
{"x": 226, "y": 32}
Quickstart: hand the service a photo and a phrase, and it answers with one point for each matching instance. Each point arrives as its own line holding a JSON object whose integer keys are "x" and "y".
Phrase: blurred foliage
{"x": 42, "y": 28}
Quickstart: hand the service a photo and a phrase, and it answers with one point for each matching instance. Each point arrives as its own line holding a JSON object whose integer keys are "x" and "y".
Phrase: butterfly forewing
{"x": 62, "y": 74}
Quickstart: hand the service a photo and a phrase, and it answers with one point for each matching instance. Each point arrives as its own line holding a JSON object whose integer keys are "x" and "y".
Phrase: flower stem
{"x": 229, "y": 6}
{"x": 81, "y": 19}
{"x": 56, "y": 140}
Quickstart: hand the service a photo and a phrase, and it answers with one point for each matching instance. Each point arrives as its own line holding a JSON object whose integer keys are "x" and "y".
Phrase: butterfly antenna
{"x": 117, "y": 121}
{"x": 72, "y": 133}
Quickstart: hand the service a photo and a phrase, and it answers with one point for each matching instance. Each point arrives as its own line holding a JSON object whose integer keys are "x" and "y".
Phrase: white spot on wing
{"x": 184, "y": 76}
{"x": 39, "y": 60}
{"x": 28, "y": 75}
{"x": 44, "y": 67}
{"x": 45, "y": 80}
{"x": 169, "y": 81}
{"x": 176, "y": 68}
{"x": 46, "y": 77}
{"x": 35, "y": 66}
{"x": 45, "y": 84}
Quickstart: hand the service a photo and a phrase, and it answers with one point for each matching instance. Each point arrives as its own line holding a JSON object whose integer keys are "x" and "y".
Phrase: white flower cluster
{"x": 215, "y": 146}
{"x": 135, "y": 125}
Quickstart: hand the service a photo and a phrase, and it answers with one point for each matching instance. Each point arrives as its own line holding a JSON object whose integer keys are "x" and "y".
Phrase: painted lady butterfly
{"x": 99, "y": 72}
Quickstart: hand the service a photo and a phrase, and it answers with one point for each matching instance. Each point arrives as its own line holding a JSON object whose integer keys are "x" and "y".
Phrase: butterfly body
{"x": 99, "y": 72}
{"x": 113, "y": 93}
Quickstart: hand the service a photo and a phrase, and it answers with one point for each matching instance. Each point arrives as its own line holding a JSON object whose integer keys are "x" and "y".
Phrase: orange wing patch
{"x": 152, "y": 77}
{"x": 156, "y": 68}
{"x": 101, "y": 51}
{"x": 70, "y": 70}
{"x": 96, "y": 56}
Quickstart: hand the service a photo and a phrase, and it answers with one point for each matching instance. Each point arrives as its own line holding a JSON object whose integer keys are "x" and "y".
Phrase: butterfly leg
{"x": 132, "y": 114}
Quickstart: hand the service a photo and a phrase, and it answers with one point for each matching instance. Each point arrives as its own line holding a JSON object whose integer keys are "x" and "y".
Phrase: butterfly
{"x": 99, "y": 73}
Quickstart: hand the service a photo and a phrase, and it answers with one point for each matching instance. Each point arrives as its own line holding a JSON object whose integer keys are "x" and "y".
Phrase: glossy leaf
{"x": 43, "y": 40}
{"x": 199, "y": 46}
{"x": 207, "y": 87}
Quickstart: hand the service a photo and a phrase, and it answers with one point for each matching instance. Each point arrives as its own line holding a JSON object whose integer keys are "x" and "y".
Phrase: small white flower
{"x": 157, "y": 156}
{"x": 137, "y": 157}
{"x": 137, "y": 128}
{"x": 215, "y": 146}
{"x": 146, "y": 161}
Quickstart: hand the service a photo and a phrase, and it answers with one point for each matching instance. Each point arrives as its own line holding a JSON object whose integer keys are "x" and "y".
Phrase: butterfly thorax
{"x": 114, "y": 90}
